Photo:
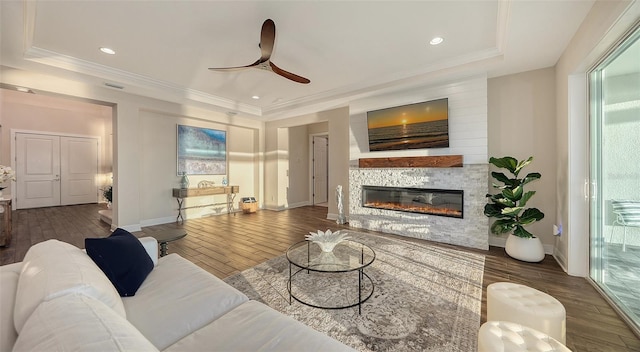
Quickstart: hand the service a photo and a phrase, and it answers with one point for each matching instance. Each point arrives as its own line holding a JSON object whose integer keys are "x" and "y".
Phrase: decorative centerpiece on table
{"x": 327, "y": 240}
{"x": 6, "y": 174}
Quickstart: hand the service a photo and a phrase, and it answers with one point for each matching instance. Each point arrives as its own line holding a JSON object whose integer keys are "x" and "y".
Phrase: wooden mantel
{"x": 412, "y": 161}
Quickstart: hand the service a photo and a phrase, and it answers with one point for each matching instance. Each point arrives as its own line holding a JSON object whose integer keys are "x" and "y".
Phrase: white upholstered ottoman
{"x": 505, "y": 336}
{"x": 524, "y": 305}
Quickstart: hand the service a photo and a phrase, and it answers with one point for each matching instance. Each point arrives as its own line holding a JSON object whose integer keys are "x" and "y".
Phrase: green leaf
{"x": 495, "y": 211}
{"x": 513, "y": 194}
{"x": 531, "y": 215}
{"x": 492, "y": 210}
{"x": 502, "y": 178}
{"x": 522, "y": 164}
{"x": 521, "y": 232}
{"x": 525, "y": 198}
{"x": 505, "y": 202}
{"x": 531, "y": 177}
{"x": 502, "y": 226}
{"x": 512, "y": 211}
{"x": 506, "y": 162}
{"x": 495, "y": 185}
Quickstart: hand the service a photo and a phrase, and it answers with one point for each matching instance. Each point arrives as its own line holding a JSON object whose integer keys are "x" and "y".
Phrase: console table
{"x": 181, "y": 193}
{"x": 5, "y": 222}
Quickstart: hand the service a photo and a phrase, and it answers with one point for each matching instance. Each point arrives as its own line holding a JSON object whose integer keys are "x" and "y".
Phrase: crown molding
{"x": 125, "y": 78}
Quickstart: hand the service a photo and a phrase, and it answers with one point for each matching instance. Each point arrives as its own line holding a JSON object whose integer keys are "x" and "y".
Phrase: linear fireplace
{"x": 441, "y": 202}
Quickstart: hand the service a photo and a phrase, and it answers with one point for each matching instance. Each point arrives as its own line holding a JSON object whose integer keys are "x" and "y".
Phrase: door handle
{"x": 57, "y": 178}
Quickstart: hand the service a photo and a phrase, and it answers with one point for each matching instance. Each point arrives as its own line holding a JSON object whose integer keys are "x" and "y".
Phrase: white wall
{"x": 298, "y": 189}
{"x": 467, "y": 120}
{"x": 604, "y": 24}
{"x": 522, "y": 124}
{"x": 278, "y": 153}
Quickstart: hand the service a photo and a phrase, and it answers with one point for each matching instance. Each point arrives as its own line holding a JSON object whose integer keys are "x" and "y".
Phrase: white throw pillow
{"x": 52, "y": 269}
{"x": 75, "y": 322}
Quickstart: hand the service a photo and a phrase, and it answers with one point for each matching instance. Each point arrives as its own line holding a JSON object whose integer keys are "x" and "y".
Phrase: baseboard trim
{"x": 297, "y": 205}
{"x": 158, "y": 221}
{"x": 561, "y": 260}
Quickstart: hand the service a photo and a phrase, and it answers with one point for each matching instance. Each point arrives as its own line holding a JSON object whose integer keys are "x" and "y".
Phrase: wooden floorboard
{"x": 227, "y": 244}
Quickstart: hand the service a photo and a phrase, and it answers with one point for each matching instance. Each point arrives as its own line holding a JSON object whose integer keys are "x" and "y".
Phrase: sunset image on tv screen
{"x": 415, "y": 126}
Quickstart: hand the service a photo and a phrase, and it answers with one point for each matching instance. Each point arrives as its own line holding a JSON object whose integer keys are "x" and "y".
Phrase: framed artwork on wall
{"x": 201, "y": 151}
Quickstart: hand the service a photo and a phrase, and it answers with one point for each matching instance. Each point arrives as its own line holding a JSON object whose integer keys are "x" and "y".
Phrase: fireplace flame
{"x": 423, "y": 208}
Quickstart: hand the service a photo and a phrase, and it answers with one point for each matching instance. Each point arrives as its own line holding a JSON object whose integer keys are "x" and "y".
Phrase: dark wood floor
{"x": 224, "y": 245}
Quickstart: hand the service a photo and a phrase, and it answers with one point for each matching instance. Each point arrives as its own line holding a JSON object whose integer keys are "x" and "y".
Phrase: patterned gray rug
{"x": 425, "y": 298}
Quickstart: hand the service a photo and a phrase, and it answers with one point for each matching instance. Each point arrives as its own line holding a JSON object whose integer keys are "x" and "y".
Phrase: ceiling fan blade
{"x": 288, "y": 75}
{"x": 267, "y": 39}
{"x": 236, "y": 68}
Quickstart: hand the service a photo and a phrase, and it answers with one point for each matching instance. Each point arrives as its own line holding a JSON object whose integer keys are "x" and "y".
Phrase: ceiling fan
{"x": 267, "y": 39}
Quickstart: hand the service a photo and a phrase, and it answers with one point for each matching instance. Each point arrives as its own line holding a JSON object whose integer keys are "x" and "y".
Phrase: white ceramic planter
{"x": 525, "y": 249}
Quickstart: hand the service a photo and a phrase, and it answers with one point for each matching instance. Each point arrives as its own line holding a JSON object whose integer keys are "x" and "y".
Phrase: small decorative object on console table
{"x": 508, "y": 207}
{"x": 326, "y": 240}
{"x": 205, "y": 184}
{"x": 184, "y": 181}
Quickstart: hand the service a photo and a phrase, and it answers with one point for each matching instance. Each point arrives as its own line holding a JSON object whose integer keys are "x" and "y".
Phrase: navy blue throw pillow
{"x": 122, "y": 258}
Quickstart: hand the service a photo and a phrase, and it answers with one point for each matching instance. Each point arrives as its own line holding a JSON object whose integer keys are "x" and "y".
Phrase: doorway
{"x": 320, "y": 174}
{"x": 54, "y": 170}
{"x": 614, "y": 98}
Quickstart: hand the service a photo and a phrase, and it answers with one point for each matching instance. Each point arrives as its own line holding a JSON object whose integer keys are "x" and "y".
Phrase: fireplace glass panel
{"x": 439, "y": 202}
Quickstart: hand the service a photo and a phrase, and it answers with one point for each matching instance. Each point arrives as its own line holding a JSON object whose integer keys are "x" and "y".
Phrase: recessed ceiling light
{"x": 108, "y": 51}
{"x": 436, "y": 41}
{"x": 22, "y": 89}
{"x": 255, "y": 97}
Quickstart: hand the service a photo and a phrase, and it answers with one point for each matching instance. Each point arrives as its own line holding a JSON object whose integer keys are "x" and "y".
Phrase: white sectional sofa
{"x": 58, "y": 299}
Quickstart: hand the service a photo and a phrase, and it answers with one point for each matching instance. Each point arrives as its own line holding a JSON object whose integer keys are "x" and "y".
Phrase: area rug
{"x": 425, "y": 297}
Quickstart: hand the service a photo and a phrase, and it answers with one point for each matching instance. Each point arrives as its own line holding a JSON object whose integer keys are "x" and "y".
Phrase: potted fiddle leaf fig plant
{"x": 107, "y": 193}
{"x": 509, "y": 208}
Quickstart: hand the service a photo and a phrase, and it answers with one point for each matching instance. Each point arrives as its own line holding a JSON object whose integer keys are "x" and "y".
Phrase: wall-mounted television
{"x": 414, "y": 126}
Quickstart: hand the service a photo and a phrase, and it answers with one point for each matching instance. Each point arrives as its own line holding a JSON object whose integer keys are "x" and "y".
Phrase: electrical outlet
{"x": 557, "y": 230}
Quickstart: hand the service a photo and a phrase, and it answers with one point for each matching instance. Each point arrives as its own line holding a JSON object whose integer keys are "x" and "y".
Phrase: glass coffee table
{"x": 330, "y": 280}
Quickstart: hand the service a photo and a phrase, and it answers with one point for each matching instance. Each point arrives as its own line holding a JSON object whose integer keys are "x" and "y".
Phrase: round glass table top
{"x": 346, "y": 256}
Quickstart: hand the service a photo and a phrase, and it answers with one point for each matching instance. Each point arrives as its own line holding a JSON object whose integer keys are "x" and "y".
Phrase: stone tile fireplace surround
{"x": 470, "y": 231}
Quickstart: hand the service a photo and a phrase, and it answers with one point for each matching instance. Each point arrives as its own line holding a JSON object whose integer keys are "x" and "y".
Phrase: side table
{"x": 5, "y": 223}
{"x": 164, "y": 237}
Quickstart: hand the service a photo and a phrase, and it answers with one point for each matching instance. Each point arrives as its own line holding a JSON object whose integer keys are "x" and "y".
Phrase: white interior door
{"x": 37, "y": 170}
{"x": 320, "y": 169}
{"x": 78, "y": 170}
{"x": 55, "y": 170}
